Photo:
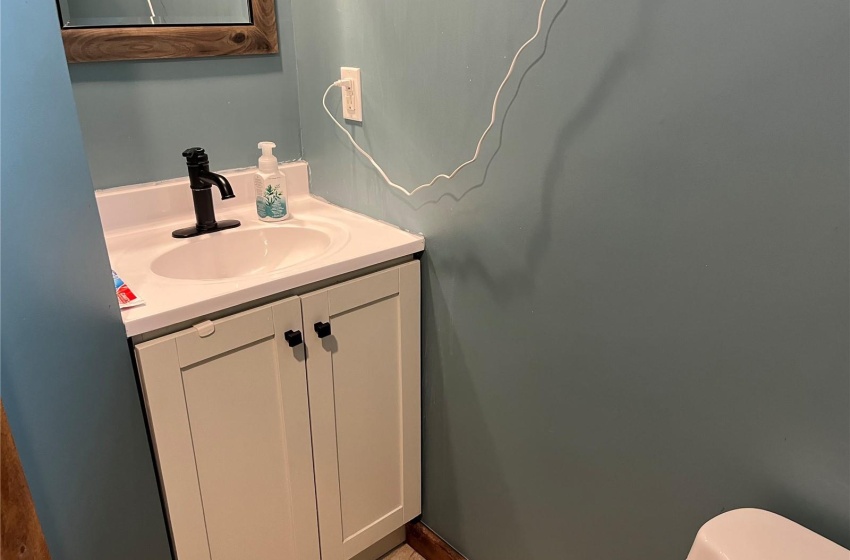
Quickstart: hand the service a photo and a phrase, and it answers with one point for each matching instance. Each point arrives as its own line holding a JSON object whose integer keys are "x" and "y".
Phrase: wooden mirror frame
{"x": 96, "y": 44}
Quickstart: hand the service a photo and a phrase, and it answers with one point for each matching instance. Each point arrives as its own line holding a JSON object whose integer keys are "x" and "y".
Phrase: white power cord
{"x": 480, "y": 141}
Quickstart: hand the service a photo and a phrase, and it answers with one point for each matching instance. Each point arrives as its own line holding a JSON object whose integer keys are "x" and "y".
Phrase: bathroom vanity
{"x": 281, "y": 384}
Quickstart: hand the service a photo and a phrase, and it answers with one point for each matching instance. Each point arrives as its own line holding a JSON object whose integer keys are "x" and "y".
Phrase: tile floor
{"x": 403, "y": 552}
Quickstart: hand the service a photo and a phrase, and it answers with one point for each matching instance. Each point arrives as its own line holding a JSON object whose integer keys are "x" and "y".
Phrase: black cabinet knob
{"x": 322, "y": 329}
{"x": 294, "y": 338}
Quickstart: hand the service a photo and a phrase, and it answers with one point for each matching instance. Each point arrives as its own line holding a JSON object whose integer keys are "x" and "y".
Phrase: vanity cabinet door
{"x": 229, "y": 417}
{"x": 363, "y": 368}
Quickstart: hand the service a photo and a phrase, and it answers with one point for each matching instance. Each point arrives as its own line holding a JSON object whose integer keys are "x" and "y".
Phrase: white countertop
{"x": 138, "y": 221}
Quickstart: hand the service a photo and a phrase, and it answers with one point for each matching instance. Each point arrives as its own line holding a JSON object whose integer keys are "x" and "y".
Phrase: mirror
{"x": 102, "y": 30}
{"x": 120, "y": 13}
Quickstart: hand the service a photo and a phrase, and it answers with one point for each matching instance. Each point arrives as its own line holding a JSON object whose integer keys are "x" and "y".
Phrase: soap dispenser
{"x": 270, "y": 187}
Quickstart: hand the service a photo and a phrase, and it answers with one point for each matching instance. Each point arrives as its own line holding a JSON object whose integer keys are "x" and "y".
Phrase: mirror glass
{"x": 123, "y": 13}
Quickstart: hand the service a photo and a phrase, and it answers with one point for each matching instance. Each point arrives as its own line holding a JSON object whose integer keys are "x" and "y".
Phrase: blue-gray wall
{"x": 67, "y": 381}
{"x": 137, "y": 117}
{"x": 636, "y": 304}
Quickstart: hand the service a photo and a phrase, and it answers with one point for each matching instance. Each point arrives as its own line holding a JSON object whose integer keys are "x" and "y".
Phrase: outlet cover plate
{"x": 352, "y": 101}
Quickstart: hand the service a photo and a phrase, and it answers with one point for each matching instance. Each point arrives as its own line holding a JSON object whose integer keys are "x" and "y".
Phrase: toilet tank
{"x": 755, "y": 534}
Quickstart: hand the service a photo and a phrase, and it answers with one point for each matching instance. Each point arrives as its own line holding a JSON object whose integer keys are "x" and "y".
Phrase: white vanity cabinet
{"x": 265, "y": 447}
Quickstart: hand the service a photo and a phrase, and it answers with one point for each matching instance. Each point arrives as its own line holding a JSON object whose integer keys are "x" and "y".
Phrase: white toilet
{"x": 755, "y": 534}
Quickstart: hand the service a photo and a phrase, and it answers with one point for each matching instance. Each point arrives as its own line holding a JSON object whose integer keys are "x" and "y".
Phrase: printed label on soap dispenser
{"x": 271, "y": 202}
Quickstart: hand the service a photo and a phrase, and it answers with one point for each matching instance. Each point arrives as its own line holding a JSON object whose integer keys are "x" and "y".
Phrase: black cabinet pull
{"x": 294, "y": 338}
{"x": 322, "y": 329}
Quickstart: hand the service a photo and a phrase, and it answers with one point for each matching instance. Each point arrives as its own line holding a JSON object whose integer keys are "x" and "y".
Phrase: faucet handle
{"x": 196, "y": 156}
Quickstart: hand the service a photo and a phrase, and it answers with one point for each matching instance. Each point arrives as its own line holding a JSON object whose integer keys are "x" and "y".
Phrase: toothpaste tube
{"x": 126, "y": 297}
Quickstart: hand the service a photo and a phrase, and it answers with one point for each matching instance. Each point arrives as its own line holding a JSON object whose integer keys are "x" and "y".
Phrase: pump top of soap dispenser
{"x": 268, "y": 161}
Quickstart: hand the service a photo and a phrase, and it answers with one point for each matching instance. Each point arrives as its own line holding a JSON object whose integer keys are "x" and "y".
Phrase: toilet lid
{"x": 755, "y": 534}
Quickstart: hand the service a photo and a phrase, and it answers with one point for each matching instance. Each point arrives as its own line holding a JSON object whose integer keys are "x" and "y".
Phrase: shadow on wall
{"x": 470, "y": 263}
{"x": 443, "y": 353}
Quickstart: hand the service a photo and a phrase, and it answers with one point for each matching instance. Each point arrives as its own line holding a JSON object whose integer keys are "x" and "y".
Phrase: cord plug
{"x": 348, "y": 96}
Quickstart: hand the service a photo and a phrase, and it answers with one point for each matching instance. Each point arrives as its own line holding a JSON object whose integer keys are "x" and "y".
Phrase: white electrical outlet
{"x": 352, "y": 102}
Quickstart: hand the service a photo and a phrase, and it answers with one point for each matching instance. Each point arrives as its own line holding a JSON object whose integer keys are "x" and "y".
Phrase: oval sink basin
{"x": 235, "y": 253}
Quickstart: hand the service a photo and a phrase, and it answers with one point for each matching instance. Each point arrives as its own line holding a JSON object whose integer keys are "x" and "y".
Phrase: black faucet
{"x": 201, "y": 180}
